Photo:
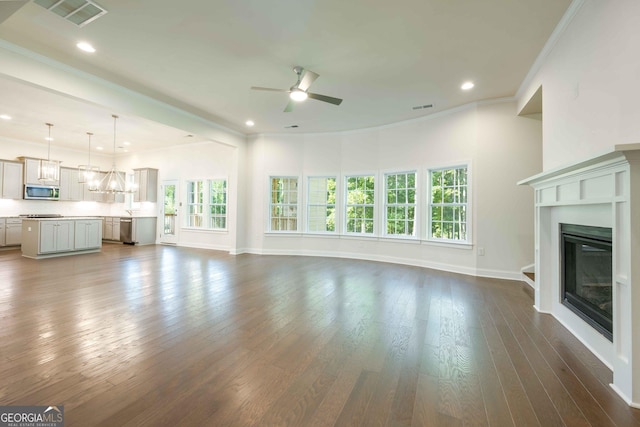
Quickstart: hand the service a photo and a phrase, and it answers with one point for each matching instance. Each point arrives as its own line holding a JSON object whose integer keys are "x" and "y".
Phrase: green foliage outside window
{"x": 360, "y": 204}
{"x": 449, "y": 191}
{"x": 400, "y": 203}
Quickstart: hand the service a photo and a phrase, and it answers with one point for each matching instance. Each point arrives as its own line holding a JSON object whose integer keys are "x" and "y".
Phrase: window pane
{"x": 400, "y": 203}
{"x": 321, "y": 200}
{"x": 359, "y": 206}
{"x": 284, "y": 207}
{"x": 448, "y": 207}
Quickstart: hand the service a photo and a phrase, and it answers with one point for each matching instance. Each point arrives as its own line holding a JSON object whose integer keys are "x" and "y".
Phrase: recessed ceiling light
{"x": 86, "y": 47}
{"x": 249, "y": 123}
{"x": 99, "y": 148}
{"x": 126, "y": 143}
{"x": 5, "y": 117}
{"x": 48, "y": 138}
{"x": 467, "y": 85}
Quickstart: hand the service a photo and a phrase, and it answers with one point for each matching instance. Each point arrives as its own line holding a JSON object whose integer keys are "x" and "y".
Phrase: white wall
{"x": 589, "y": 83}
{"x": 500, "y": 147}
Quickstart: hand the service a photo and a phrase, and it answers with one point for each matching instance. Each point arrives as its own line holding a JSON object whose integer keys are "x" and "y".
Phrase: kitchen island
{"x": 54, "y": 237}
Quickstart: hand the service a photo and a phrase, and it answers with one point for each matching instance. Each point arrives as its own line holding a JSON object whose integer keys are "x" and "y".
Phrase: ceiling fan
{"x": 298, "y": 92}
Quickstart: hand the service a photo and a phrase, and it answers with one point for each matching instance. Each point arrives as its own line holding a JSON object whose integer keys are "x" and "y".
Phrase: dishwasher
{"x": 126, "y": 231}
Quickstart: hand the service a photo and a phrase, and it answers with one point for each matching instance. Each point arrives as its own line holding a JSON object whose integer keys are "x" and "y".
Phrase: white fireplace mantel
{"x": 602, "y": 191}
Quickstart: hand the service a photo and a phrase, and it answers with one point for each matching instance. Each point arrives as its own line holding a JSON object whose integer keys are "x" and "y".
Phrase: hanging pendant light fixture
{"x": 114, "y": 181}
{"x": 87, "y": 174}
{"x": 49, "y": 170}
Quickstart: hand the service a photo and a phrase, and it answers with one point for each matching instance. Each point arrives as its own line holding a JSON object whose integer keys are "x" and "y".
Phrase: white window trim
{"x": 376, "y": 203}
{"x": 298, "y": 198}
{"x": 383, "y": 208}
{"x": 470, "y": 213}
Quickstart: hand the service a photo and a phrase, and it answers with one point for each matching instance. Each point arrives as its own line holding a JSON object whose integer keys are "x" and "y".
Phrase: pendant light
{"x": 49, "y": 170}
{"x": 87, "y": 174}
{"x": 114, "y": 181}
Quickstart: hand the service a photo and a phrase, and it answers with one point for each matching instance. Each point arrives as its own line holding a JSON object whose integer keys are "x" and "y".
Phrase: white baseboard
{"x": 451, "y": 268}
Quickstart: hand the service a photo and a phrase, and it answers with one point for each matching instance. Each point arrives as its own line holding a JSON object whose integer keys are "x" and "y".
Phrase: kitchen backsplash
{"x": 65, "y": 208}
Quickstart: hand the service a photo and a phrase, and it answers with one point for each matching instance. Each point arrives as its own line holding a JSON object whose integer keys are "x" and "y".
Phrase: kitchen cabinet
{"x": 146, "y": 182}
{"x": 56, "y": 236}
{"x": 12, "y": 232}
{"x": 47, "y": 237}
{"x": 11, "y": 180}
{"x": 88, "y": 234}
{"x": 111, "y": 228}
{"x": 2, "y": 233}
{"x": 31, "y": 167}
{"x": 70, "y": 188}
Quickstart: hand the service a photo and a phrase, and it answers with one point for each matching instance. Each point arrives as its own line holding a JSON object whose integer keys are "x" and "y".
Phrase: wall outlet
{"x": 480, "y": 251}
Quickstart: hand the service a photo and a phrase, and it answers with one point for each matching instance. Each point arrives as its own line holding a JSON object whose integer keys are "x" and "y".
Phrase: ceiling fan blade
{"x": 269, "y": 89}
{"x": 307, "y": 78}
{"x": 290, "y": 105}
{"x": 325, "y": 98}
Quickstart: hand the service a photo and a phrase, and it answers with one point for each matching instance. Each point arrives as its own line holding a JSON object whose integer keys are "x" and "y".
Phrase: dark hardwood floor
{"x": 165, "y": 336}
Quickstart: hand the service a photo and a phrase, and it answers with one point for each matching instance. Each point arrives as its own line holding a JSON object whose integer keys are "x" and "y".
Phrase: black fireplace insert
{"x": 587, "y": 278}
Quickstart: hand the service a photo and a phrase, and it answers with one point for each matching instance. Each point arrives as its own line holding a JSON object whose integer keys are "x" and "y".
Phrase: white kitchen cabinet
{"x": 13, "y": 232}
{"x": 56, "y": 236}
{"x": 88, "y": 234}
{"x": 11, "y": 180}
{"x": 70, "y": 188}
{"x": 2, "y": 233}
{"x": 31, "y": 167}
{"x": 146, "y": 182}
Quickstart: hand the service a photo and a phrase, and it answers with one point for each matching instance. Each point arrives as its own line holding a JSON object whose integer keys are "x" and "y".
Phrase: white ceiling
{"x": 202, "y": 56}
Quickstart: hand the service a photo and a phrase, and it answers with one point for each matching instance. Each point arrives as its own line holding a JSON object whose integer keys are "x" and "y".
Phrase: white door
{"x": 170, "y": 211}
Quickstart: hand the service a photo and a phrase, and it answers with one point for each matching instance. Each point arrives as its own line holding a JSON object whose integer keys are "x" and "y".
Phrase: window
{"x": 400, "y": 204}
{"x": 215, "y": 204}
{"x": 283, "y": 210}
{"x": 359, "y": 206}
{"x": 195, "y": 204}
{"x": 218, "y": 203}
{"x": 448, "y": 209}
{"x": 321, "y": 204}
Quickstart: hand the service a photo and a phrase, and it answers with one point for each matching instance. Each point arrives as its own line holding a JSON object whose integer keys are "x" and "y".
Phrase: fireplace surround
{"x": 599, "y": 193}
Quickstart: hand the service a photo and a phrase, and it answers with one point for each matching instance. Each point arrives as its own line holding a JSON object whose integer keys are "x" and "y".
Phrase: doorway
{"x": 170, "y": 213}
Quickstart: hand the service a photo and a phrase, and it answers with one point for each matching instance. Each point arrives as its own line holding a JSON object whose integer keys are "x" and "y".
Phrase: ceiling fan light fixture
{"x": 298, "y": 95}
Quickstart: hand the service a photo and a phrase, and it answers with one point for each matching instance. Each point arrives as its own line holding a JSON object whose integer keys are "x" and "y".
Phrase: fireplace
{"x": 587, "y": 279}
{"x": 599, "y": 287}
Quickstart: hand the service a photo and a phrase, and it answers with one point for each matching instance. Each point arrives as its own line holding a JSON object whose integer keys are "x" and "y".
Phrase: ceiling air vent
{"x": 420, "y": 107}
{"x": 78, "y": 12}
{"x": 291, "y": 127}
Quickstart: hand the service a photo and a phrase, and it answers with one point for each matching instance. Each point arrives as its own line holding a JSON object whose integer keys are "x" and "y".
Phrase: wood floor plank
{"x": 161, "y": 335}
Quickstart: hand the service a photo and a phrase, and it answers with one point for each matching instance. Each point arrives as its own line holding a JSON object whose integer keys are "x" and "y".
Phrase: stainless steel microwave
{"x": 41, "y": 192}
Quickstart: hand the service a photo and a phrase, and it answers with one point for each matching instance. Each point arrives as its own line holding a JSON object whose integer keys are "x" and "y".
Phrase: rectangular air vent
{"x": 78, "y": 12}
